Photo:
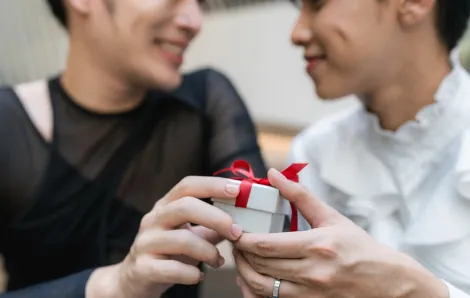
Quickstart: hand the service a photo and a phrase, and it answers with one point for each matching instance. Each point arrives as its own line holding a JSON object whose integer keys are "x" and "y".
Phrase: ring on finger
{"x": 276, "y": 286}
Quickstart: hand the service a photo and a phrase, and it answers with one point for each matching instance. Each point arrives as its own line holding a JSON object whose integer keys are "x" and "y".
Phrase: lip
{"x": 174, "y": 59}
{"x": 177, "y": 42}
{"x": 313, "y": 61}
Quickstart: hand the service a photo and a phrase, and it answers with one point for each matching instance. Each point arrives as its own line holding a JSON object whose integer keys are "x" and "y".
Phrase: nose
{"x": 301, "y": 34}
{"x": 190, "y": 17}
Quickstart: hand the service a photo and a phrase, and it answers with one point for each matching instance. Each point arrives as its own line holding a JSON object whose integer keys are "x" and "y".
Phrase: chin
{"x": 167, "y": 82}
{"x": 328, "y": 93}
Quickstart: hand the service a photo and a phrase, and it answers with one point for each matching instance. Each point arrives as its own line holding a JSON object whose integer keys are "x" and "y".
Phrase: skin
{"x": 152, "y": 266}
{"x": 334, "y": 259}
{"x": 375, "y": 49}
{"x": 151, "y": 36}
{"x": 118, "y": 50}
{"x": 388, "y": 53}
{"x": 359, "y": 38}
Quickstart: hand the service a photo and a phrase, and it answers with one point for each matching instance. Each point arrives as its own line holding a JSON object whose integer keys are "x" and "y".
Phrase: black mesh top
{"x": 75, "y": 203}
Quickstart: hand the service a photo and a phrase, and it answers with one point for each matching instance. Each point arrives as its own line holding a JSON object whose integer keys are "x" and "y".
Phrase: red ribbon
{"x": 242, "y": 168}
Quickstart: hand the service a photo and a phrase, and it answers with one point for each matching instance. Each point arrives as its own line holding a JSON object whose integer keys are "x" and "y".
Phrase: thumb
{"x": 316, "y": 212}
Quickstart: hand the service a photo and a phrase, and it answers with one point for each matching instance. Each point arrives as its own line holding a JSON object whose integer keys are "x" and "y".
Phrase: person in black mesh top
{"x": 85, "y": 155}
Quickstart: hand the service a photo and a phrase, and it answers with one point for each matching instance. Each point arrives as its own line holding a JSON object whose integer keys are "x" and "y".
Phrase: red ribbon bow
{"x": 242, "y": 168}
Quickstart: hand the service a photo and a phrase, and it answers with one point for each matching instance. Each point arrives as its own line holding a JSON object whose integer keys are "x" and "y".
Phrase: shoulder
{"x": 328, "y": 132}
{"x": 204, "y": 87}
{"x": 204, "y": 79}
{"x": 207, "y": 74}
{"x": 6, "y": 94}
{"x": 211, "y": 91}
{"x": 8, "y": 102}
{"x": 212, "y": 81}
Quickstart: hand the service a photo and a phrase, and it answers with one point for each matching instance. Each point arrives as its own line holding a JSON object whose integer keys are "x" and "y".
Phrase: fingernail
{"x": 201, "y": 277}
{"x": 232, "y": 189}
{"x": 186, "y": 226}
{"x": 221, "y": 261}
{"x": 236, "y": 231}
{"x": 277, "y": 174}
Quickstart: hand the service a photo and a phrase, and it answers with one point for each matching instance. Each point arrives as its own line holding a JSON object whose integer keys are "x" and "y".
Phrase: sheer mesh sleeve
{"x": 233, "y": 133}
{"x": 72, "y": 286}
{"x": 21, "y": 159}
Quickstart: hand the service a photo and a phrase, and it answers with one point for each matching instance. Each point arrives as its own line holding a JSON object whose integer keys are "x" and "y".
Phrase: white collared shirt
{"x": 410, "y": 189}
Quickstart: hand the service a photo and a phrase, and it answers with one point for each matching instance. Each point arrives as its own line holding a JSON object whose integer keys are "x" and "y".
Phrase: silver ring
{"x": 276, "y": 286}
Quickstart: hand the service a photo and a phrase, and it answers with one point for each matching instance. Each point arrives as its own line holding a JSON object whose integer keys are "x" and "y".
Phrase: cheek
{"x": 348, "y": 64}
{"x": 143, "y": 19}
{"x": 347, "y": 45}
{"x": 354, "y": 53}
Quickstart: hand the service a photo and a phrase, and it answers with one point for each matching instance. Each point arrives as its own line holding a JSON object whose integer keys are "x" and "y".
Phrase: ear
{"x": 412, "y": 12}
{"x": 81, "y": 7}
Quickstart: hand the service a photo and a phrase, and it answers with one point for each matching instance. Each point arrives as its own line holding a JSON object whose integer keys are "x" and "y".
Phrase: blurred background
{"x": 248, "y": 40}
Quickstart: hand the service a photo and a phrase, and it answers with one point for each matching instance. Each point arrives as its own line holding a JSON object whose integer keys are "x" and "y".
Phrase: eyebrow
{"x": 221, "y": 5}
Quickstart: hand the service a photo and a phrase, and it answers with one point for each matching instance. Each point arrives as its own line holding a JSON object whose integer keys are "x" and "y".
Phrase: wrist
{"x": 103, "y": 283}
{"x": 418, "y": 282}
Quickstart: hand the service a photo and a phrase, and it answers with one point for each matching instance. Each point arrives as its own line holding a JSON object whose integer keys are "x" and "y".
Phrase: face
{"x": 350, "y": 46}
{"x": 142, "y": 40}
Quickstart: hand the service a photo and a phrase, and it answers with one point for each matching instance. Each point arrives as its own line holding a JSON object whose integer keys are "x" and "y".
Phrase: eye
{"x": 316, "y": 5}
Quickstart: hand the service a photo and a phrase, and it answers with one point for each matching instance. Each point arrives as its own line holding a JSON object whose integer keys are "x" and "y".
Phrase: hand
{"x": 247, "y": 292}
{"x": 167, "y": 249}
{"x": 334, "y": 259}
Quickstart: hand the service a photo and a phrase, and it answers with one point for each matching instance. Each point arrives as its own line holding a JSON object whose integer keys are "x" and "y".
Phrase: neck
{"x": 96, "y": 88}
{"x": 412, "y": 88}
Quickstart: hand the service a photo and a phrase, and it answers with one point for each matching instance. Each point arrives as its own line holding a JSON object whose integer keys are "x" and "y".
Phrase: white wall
{"x": 251, "y": 45}
{"x": 31, "y": 43}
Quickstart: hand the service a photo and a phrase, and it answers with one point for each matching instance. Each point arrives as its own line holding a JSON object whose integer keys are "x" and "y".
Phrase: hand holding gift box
{"x": 259, "y": 206}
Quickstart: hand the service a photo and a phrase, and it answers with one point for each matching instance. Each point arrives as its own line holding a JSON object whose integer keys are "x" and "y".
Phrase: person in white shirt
{"x": 396, "y": 166}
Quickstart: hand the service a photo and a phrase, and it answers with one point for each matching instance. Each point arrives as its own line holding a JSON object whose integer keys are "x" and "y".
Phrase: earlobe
{"x": 412, "y": 12}
{"x": 80, "y": 6}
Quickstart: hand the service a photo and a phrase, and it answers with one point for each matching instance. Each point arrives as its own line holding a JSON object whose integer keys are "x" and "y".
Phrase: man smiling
{"x": 86, "y": 154}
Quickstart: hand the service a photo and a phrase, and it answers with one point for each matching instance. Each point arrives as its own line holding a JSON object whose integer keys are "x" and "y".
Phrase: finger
{"x": 290, "y": 245}
{"x": 262, "y": 285}
{"x": 246, "y": 291}
{"x": 168, "y": 271}
{"x": 209, "y": 235}
{"x": 286, "y": 269}
{"x": 316, "y": 212}
{"x": 178, "y": 242}
{"x": 193, "y": 210}
{"x": 202, "y": 187}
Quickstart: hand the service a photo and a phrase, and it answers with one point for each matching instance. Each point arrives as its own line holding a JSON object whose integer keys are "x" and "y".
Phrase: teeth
{"x": 172, "y": 48}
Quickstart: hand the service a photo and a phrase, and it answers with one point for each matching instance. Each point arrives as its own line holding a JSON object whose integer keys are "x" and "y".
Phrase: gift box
{"x": 265, "y": 211}
{"x": 259, "y": 207}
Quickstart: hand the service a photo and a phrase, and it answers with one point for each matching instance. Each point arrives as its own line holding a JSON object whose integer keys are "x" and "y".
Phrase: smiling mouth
{"x": 313, "y": 60}
{"x": 173, "y": 52}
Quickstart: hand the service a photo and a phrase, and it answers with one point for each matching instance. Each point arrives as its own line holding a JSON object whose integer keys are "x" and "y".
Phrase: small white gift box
{"x": 264, "y": 213}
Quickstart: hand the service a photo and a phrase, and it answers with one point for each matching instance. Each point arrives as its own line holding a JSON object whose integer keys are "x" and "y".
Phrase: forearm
{"x": 105, "y": 282}
{"x": 72, "y": 286}
{"x": 416, "y": 281}
{"x": 102, "y": 283}
{"x": 438, "y": 288}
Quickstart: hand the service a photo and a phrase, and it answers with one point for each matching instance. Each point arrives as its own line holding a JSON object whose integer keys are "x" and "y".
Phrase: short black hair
{"x": 58, "y": 9}
{"x": 452, "y": 20}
